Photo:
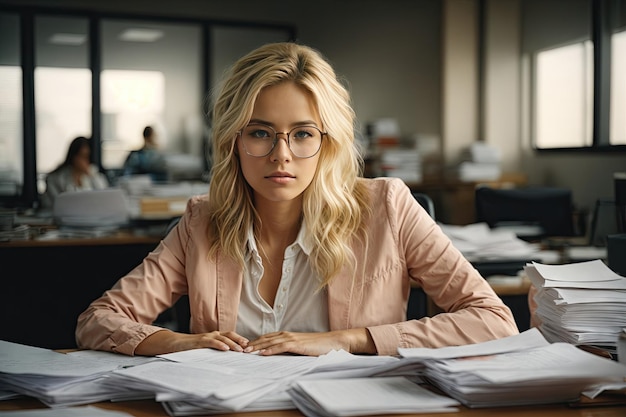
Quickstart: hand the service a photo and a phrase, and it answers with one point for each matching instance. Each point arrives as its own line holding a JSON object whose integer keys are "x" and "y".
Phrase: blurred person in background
{"x": 148, "y": 160}
{"x": 75, "y": 173}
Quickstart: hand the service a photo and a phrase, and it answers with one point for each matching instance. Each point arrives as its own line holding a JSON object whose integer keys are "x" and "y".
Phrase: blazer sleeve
{"x": 122, "y": 317}
{"x": 472, "y": 311}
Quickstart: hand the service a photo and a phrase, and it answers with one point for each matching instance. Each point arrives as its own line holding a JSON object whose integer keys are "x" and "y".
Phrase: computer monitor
{"x": 106, "y": 208}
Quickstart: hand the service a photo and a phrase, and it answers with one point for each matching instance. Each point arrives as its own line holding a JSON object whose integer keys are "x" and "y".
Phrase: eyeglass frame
{"x": 276, "y": 139}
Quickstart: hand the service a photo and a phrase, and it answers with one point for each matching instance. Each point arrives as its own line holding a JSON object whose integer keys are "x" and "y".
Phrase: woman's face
{"x": 280, "y": 176}
{"x": 81, "y": 160}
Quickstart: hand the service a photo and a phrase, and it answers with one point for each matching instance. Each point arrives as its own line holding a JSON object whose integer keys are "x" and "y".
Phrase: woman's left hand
{"x": 313, "y": 344}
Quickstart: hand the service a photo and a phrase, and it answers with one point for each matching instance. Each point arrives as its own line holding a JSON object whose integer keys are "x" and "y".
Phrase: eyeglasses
{"x": 259, "y": 140}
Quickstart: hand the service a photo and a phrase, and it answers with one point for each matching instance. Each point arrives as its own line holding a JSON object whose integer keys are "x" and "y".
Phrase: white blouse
{"x": 299, "y": 305}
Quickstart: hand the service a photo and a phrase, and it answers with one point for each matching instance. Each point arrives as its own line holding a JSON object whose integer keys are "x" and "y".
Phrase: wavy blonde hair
{"x": 335, "y": 203}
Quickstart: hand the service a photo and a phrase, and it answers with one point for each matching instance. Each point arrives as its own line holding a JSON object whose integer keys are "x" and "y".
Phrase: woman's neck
{"x": 280, "y": 222}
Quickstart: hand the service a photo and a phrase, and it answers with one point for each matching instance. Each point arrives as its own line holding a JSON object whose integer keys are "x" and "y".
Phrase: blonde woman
{"x": 291, "y": 251}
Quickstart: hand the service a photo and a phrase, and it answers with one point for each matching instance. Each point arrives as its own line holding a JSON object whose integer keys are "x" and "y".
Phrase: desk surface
{"x": 148, "y": 408}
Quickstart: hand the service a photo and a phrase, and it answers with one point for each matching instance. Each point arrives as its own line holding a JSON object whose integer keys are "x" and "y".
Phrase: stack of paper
{"x": 516, "y": 370}
{"x": 58, "y": 379}
{"x": 579, "y": 303}
{"x": 86, "y": 411}
{"x": 558, "y": 372}
{"x": 476, "y": 171}
{"x": 484, "y": 163}
{"x": 367, "y": 396}
{"x": 206, "y": 381}
{"x": 521, "y": 369}
{"x": 405, "y": 164}
{"x": 477, "y": 241}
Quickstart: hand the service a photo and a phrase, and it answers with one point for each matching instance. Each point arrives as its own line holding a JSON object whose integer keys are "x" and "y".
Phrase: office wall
{"x": 501, "y": 78}
{"x": 460, "y": 89}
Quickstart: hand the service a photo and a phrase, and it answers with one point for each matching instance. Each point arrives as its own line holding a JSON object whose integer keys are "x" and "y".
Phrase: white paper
{"x": 87, "y": 411}
{"x": 594, "y": 271}
{"x": 367, "y": 396}
{"x": 528, "y": 339}
{"x": 20, "y": 359}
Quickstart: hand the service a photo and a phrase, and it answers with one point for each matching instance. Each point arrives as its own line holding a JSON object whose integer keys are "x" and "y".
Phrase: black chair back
{"x": 551, "y": 208}
{"x": 426, "y": 202}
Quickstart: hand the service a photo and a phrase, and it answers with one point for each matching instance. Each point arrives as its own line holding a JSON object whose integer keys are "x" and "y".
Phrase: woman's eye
{"x": 260, "y": 134}
{"x": 302, "y": 134}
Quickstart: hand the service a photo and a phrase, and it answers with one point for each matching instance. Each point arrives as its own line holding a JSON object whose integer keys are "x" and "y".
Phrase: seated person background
{"x": 147, "y": 160}
{"x": 74, "y": 174}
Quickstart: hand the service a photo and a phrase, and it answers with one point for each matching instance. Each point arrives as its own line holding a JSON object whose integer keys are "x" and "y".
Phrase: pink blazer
{"x": 403, "y": 244}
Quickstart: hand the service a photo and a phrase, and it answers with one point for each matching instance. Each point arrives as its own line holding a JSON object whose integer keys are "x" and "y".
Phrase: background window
{"x": 62, "y": 89}
{"x": 131, "y": 100}
{"x": 618, "y": 75}
{"x": 11, "y": 143}
{"x": 564, "y": 96}
{"x": 151, "y": 75}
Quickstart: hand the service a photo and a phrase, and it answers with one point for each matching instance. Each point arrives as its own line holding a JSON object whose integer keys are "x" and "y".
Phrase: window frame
{"x": 601, "y": 39}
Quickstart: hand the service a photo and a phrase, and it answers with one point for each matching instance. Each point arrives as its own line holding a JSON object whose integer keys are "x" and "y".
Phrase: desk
{"x": 148, "y": 408}
{"x": 54, "y": 280}
{"x": 119, "y": 238}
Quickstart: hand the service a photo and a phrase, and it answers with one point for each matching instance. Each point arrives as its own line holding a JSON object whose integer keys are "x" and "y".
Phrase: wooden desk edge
{"x": 120, "y": 238}
{"x": 151, "y": 408}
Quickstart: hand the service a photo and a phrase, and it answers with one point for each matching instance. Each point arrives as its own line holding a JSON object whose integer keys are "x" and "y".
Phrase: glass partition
{"x": 151, "y": 71}
{"x": 62, "y": 89}
{"x": 11, "y": 143}
{"x": 151, "y": 76}
{"x": 618, "y": 74}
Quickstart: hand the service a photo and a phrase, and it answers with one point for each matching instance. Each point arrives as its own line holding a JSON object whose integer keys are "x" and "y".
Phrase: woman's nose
{"x": 281, "y": 150}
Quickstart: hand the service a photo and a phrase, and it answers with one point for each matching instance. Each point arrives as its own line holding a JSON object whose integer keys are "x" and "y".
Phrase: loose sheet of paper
{"x": 528, "y": 339}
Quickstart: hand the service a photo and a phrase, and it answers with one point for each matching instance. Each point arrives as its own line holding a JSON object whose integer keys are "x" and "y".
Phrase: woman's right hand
{"x": 167, "y": 341}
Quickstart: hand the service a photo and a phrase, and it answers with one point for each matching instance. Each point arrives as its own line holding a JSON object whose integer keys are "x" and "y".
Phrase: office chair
{"x": 549, "y": 208}
{"x": 418, "y": 302}
{"x": 604, "y": 222}
{"x": 173, "y": 222}
{"x": 426, "y": 202}
{"x": 179, "y": 315}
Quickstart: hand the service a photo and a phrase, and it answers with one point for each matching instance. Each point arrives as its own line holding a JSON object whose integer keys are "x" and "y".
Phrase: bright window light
{"x": 63, "y": 111}
{"x": 10, "y": 125}
{"x": 564, "y": 96}
{"x": 128, "y": 90}
{"x": 618, "y": 89}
